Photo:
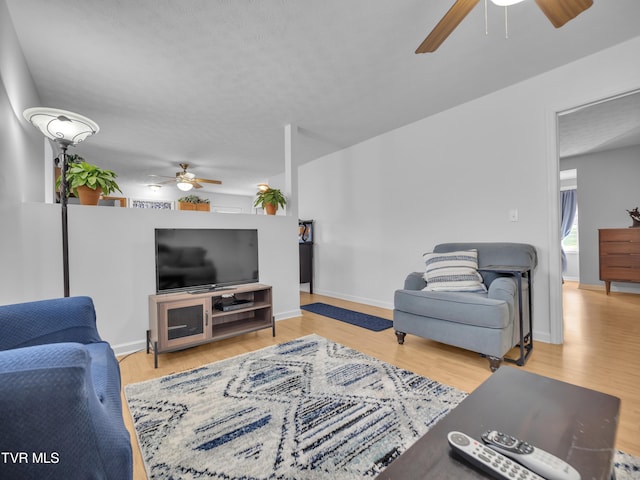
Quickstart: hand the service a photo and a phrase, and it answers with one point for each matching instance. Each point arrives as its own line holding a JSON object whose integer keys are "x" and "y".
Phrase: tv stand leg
{"x": 273, "y": 325}
{"x": 155, "y": 354}
{"x": 148, "y": 340}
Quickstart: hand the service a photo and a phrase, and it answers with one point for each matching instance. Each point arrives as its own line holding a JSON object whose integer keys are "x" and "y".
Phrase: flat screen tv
{"x": 204, "y": 258}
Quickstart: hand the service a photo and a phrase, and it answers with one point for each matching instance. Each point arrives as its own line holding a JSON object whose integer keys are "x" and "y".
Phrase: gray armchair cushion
{"x": 464, "y": 308}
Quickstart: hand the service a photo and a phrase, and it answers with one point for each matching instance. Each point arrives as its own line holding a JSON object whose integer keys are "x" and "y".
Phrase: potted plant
{"x": 194, "y": 202}
{"x": 270, "y": 199}
{"x": 88, "y": 182}
{"x": 635, "y": 217}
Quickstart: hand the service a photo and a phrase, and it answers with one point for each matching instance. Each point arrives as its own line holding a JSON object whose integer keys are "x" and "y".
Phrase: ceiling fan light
{"x": 62, "y": 126}
{"x": 184, "y": 186}
{"x": 263, "y": 187}
{"x": 506, "y": 3}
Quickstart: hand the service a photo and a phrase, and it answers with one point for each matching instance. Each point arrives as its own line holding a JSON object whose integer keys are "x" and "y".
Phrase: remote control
{"x": 488, "y": 460}
{"x": 541, "y": 462}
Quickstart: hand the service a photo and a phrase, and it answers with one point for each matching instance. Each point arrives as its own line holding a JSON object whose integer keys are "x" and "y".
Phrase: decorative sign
{"x": 152, "y": 204}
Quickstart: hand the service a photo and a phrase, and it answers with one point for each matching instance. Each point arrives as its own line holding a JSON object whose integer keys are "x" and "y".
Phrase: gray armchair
{"x": 484, "y": 322}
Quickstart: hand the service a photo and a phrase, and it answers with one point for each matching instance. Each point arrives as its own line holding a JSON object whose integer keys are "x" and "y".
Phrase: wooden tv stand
{"x": 186, "y": 319}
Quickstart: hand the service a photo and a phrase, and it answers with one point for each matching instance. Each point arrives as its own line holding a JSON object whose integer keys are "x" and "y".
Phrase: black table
{"x": 526, "y": 339}
{"x": 576, "y": 424}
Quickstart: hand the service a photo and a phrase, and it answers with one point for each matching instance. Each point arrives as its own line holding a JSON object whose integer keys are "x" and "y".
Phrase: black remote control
{"x": 534, "y": 458}
{"x": 488, "y": 460}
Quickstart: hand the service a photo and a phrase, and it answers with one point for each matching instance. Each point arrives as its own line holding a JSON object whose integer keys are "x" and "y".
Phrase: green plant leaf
{"x": 83, "y": 173}
{"x": 272, "y": 196}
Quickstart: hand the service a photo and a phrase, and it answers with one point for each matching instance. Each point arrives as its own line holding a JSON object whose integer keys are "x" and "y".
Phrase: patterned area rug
{"x": 627, "y": 466}
{"x": 364, "y": 320}
{"x": 306, "y": 409}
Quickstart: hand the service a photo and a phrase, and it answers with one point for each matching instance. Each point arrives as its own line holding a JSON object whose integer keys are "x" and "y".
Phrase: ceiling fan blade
{"x": 448, "y": 24}
{"x": 195, "y": 184}
{"x": 560, "y": 12}
{"x": 205, "y": 180}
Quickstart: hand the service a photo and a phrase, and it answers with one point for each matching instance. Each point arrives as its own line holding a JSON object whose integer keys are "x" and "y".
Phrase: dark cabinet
{"x": 306, "y": 264}
{"x": 305, "y": 239}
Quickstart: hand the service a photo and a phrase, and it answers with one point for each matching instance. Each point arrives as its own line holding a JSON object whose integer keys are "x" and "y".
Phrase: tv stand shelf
{"x": 187, "y": 319}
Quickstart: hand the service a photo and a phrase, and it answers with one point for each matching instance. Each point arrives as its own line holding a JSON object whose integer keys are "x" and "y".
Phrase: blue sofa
{"x": 484, "y": 322}
{"x": 60, "y": 404}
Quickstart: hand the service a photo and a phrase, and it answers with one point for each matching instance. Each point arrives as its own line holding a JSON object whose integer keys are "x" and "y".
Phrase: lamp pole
{"x": 65, "y": 225}
{"x": 65, "y": 128}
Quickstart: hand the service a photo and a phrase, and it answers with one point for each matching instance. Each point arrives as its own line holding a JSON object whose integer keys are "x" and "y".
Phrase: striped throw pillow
{"x": 453, "y": 271}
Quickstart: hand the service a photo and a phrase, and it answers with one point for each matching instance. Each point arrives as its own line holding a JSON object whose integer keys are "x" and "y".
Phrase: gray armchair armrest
{"x": 504, "y": 288}
{"x": 415, "y": 281}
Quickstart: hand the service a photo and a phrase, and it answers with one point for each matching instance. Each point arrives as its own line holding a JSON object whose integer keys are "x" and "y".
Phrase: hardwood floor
{"x": 602, "y": 343}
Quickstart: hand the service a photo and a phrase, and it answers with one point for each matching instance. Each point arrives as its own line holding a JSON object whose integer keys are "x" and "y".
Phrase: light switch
{"x": 513, "y": 215}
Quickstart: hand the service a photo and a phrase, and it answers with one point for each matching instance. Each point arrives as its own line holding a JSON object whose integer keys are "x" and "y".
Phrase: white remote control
{"x": 541, "y": 462}
{"x": 488, "y": 460}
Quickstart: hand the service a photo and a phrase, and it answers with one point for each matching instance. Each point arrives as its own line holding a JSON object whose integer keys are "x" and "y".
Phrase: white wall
{"x": 21, "y": 150}
{"x": 112, "y": 260}
{"x": 572, "y": 273}
{"x": 454, "y": 176}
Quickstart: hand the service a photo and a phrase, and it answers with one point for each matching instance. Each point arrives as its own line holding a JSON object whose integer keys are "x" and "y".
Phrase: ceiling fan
{"x": 186, "y": 180}
{"x": 558, "y": 12}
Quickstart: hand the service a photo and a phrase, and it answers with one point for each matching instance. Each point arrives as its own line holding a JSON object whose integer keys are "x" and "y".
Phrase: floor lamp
{"x": 65, "y": 128}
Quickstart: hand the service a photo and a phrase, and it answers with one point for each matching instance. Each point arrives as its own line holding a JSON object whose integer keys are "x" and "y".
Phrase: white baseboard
{"x": 541, "y": 337}
{"x": 290, "y": 314}
{"x": 615, "y": 287}
{"x": 131, "y": 347}
{"x": 354, "y": 298}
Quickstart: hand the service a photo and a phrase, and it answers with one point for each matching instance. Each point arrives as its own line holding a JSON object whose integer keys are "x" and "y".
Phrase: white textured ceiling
{"x": 614, "y": 123}
{"x": 213, "y": 82}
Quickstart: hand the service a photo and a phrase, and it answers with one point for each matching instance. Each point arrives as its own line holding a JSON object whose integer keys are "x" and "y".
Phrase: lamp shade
{"x": 505, "y": 3}
{"x": 184, "y": 186}
{"x": 60, "y": 125}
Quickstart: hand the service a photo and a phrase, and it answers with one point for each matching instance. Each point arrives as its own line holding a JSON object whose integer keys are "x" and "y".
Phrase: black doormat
{"x": 370, "y": 322}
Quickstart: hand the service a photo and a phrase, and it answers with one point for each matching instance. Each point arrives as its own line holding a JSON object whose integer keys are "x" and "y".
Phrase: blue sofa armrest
{"x": 71, "y": 319}
{"x": 51, "y": 412}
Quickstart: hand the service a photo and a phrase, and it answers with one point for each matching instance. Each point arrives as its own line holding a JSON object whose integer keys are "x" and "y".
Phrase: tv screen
{"x": 205, "y": 258}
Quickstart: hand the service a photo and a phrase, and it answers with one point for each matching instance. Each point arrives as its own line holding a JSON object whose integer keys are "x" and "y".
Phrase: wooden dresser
{"x": 619, "y": 255}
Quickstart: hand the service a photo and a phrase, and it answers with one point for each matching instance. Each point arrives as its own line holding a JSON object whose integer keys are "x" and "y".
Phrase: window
{"x": 571, "y": 241}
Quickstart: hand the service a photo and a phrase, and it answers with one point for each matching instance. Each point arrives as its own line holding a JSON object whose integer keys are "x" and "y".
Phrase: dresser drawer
{"x": 620, "y": 274}
{"x": 609, "y": 248}
{"x": 620, "y": 267}
{"x": 622, "y": 261}
{"x": 619, "y": 235}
